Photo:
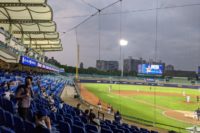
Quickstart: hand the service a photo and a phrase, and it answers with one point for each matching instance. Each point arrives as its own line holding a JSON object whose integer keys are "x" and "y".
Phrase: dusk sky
{"x": 178, "y": 31}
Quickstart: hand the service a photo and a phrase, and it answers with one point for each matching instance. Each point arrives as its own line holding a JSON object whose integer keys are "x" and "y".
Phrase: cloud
{"x": 178, "y": 32}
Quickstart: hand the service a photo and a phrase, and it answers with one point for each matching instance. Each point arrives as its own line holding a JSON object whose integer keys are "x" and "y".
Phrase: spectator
{"x": 117, "y": 117}
{"x": 198, "y": 113}
{"x": 27, "y": 51}
{"x": 23, "y": 95}
{"x": 109, "y": 109}
{"x": 4, "y": 85}
{"x": 39, "y": 86}
{"x": 99, "y": 105}
{"x": 77, "y": 109}
{"x": 86, "y": 114}
{"x": 94, "y": 120}
{"x": 53, "y": 108}
{"x": 7, "y": 95}
{"x": 43, "y": 91}
{"x": 61, "y": 104}
{"x": 198, "y": 98}
{"x": 7, "y": 92}
{"x": 8, "y": 85}
{"x": 51, "y": 100}
{"x": 43, "y": 123}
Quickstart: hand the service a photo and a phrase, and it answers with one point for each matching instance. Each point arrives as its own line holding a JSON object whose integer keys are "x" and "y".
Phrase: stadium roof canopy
{"x": 32, "y": 22}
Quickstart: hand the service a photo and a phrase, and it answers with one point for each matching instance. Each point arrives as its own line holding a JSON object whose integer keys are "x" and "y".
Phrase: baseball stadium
{"x": 99, "y": 66}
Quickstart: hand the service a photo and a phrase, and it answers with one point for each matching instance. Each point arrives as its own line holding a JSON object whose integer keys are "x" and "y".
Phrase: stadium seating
{"x": 65, "y": 120}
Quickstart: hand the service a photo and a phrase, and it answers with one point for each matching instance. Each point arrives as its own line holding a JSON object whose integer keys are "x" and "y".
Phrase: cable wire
{"x": 92, "y": 15}
{"x": 99, "y": 35}
{"x": 156, "y": 48}
{"x": 124, "y": 12}
{"x": 131, "y": 11}
{"x": 90, "y": 5}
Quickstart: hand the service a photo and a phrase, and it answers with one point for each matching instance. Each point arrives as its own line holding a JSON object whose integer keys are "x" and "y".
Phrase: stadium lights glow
{"x": 123, "y": 42}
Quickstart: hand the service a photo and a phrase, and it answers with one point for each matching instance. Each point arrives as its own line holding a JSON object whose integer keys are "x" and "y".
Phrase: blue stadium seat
{"x": 115, "y": 123}
{"x": 4, "y": 129}
{"x": 78, "y": 129}
{"x": 125, "y": 125}
{"x": 84, "y": 120}
{"x": 1, "y": 100}
{"x": 9, "y": 122}
{"x": 64, "y": 127}
{"x": 91, "y": 131}
{"x": 59, "y": 117}
{"x": 103, "y": 130}
{"x": 53, "y": 117}
{"x": 73, "y": 113}
{"x": 80, "y": 124}
{"x": 29, "y": 127}
{"x": 153, "y": 131}
{"x": 60, "y": 111}
{"x": 76, "y": 118}
{"x": 126, "y": 130}
{"x": 90, "y": 127}
{"x": 118, "y": 130}
{"x": 69, "y": 116}
{"x": 108, "y": 122}
{"x": 2, "y": 116}
{"x": 112, "y": 126}
{"x": 143, "y": 130}
{"x": 18, "y": 124}
{"x": 68, "y": 120}
{"x": 102, "y": 122}
{"x": 135, "y": 128}
{"x": 105, "y": 127}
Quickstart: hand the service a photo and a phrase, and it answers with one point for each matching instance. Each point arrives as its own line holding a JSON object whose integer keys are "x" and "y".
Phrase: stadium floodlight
{"x": 123, "y": 42}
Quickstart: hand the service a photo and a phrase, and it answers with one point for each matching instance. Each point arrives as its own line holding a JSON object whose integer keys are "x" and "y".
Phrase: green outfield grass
{"x": 142, "y": 106}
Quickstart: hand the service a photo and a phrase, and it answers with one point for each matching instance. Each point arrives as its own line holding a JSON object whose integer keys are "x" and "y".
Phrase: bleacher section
{"x": 64, "y": 120}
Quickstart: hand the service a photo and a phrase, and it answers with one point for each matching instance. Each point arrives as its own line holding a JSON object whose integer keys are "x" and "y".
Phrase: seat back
{"x": 103, "y": 130}
{"x": 84, "y": 119}
{"x": 2, "y": 116}
{"x": 68, "y": 120}
{"x": 6, "y": 130}
{"x": 29, "y": 127}
{"x": 78, "y": 129}
{"x": 59, "y": 117}
{"x": 90, "y": 127}
{"x": 118, "y": 131}
{"x": 18, "y": 124}
{"x": 78, "y": 123}
{"x": 76, "y": 118}
{"x": 64, "y": 127}
{"x": 9, "y": 120}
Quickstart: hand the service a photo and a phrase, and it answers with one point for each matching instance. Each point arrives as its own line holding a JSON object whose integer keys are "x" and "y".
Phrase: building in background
{"x": 169, "y": 68}
{"x": 52, "y": 61}
{"x": 131, "y": 65}
{"x": 81, "y": 65}
{"x": 107, "y": 65}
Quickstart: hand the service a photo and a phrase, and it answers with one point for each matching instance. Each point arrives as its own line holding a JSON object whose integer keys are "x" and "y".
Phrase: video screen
{"x": 150, "y": 69}
{"x": 199, "y": 70}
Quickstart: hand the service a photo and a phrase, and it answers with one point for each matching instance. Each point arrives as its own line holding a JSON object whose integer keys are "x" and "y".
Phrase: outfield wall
{"x": 140, "y": 83}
